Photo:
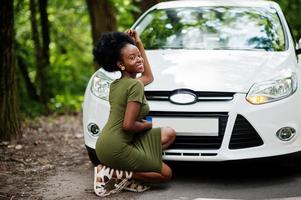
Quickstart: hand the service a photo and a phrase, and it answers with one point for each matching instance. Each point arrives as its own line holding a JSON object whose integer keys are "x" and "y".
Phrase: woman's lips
{"x": 140, "y": 66}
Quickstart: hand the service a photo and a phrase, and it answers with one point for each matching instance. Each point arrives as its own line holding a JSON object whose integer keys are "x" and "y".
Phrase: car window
{"x": 212, "y": 28}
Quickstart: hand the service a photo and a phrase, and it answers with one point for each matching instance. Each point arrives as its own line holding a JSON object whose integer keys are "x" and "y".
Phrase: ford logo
{"x": 183, "y": 97}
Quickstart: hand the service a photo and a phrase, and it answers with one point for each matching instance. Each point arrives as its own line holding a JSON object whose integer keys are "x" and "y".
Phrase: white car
{"x": 226, "y": 79}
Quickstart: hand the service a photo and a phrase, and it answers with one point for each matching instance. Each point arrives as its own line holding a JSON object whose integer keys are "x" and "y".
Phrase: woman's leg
{"x": 168, "y": 136}
{"x": 154, "y": 177}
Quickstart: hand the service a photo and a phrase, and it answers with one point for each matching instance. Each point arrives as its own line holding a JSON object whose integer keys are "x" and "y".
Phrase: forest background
{"x": 52, "y": 51}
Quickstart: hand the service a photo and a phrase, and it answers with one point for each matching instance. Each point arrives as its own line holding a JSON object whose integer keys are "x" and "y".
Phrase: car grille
{"x": 201, "y": 96}
{"x": 197, "y": 142}
{"x": 244, "y": 135}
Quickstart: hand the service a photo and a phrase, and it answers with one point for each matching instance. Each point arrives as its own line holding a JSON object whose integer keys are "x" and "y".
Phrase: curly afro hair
{"x": 107, "y": 51}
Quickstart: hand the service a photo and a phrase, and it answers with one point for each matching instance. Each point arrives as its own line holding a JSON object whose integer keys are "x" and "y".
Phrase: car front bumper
{"x": 265, "y": 119}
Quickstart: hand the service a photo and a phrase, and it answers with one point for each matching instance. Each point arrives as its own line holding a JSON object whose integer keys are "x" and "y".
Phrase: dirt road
{"x": 49, "y": 162}
{"x": 50, "y": 146}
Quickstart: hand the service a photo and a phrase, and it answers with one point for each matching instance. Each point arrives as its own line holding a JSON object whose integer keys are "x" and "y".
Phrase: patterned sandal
{"x": 135, "y": 186}
{"x": 101, "y": 187}
{"x": 109, "y": 185}
{"x": 121, "y": 181}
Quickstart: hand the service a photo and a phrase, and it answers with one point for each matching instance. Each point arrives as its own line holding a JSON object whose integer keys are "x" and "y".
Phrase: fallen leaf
{"x": 11, "y": 146}
{"x": 79, "y": 135}
{"x": 18, "y": 146}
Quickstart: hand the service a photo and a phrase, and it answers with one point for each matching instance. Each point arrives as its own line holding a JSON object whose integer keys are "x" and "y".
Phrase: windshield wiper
{"x": 244, "y": 49}
{"x": 171, "y": 47}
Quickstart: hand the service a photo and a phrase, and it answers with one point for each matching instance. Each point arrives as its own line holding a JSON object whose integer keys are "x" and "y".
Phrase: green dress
{"x": 123, "y": 150}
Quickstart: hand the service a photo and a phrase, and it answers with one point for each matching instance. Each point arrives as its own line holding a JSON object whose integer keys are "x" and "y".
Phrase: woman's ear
{"x": 120, "y": 65}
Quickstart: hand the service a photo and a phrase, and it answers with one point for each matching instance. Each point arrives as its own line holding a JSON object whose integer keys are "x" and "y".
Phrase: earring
{"x": 122, "y": 68}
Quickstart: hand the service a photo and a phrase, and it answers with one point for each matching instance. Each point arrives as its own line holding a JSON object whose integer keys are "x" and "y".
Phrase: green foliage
{"x": 291, "y": 10}
{"x": 125, "y": 8}
{"x": 66, "y": 103}
{"x": 29, "y": 108}
{"x": 70, "y": 48}
{"x": 71, "y": 63}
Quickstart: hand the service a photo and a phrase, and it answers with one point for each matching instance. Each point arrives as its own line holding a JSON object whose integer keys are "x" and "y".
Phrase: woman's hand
{"x": 130, "y": 123}
{"x": 134, "y": 35}
{"x": 147, "y": 76}
{"x": 146, "y": 123}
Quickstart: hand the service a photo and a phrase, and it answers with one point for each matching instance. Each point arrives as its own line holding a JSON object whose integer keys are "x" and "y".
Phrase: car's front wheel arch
{"x": 93, "y": 156}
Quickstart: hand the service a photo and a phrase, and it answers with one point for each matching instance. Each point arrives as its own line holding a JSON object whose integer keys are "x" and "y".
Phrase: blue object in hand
{"x": 148, "y": 118}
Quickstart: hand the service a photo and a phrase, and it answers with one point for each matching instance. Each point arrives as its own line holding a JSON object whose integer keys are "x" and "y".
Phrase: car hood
{"x": 215, "y": 70}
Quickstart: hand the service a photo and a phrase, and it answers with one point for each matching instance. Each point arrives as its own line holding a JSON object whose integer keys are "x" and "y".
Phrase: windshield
{"x": 212, "y": 28}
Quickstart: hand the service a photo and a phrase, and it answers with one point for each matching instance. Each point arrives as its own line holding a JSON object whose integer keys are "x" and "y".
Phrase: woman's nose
{"x": 140, "y": 59}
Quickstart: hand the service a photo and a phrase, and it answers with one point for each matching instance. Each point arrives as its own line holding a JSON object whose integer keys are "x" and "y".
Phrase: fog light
{"x": 93, "y": 128}
{"x": 286, "y": 133}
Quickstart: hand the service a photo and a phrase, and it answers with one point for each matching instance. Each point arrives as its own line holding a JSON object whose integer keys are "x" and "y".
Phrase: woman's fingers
{"x": 134, "y": 34}
{"x": 130, "y": 32}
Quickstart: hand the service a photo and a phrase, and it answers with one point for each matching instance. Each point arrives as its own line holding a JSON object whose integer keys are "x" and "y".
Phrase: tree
{"x": 9, "y": 114}
{"x": 101, "y": 16}
{"x": 45, "y": 51}
{"x": 41, "y": 48}
{"x": 30, "y": 87}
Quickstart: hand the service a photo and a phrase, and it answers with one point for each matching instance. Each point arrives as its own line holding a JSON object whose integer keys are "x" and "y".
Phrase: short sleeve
{"x": 136, "y": 92}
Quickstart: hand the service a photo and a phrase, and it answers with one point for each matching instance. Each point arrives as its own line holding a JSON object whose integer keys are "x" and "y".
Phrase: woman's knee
{"x": 166, "y": 172}
{"x": 168, "y": 132}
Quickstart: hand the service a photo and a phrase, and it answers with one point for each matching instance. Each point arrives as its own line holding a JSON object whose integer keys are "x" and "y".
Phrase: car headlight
{"x": 274, "y": 90}
{"x": 100, "y": 86}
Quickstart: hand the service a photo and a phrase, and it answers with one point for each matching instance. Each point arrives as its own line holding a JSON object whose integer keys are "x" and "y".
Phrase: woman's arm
{"x": 130, "y": 123}
{"x": 147, "y": 76}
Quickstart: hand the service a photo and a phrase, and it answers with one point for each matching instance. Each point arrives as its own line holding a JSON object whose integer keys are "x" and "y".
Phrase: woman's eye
{"x": 132, "y": 57}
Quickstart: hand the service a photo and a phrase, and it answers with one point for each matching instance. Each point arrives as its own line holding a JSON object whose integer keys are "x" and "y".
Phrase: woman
{"x": 128, "y": 142}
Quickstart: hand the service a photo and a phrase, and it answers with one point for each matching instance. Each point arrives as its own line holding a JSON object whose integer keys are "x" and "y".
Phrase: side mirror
{"x": 298, "y": 50}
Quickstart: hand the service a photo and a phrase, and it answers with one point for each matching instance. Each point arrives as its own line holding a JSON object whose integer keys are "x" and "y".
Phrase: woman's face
{"x": 131, "y": 59}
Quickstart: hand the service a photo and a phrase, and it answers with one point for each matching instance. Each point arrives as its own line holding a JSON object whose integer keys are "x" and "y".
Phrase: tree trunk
{"x": 9, "y": 113}
{"x": 45, "y": 30}
{"x": 102, "y": 17}
{"x": 146, "y": 4}
{"x": 39, "y": 54}
{"x": 30, "y": 87}
{"x": 45, "y": 51}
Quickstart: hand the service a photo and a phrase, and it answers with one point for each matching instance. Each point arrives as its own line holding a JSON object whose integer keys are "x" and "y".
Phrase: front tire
{"x": 297, "y": 162}
{"x": 93, "y": 156}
